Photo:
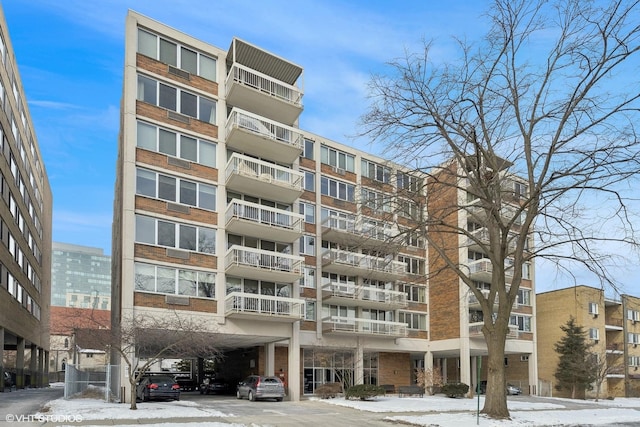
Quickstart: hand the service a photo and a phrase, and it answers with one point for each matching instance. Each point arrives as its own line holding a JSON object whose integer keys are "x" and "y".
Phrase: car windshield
{"x": 161, "y": 380}
{"x": 271, "y": 380}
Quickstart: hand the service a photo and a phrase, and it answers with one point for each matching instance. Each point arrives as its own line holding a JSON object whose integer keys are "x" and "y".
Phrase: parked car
{"x": 513, "y": 390}
{"x": 214, "y": 386}
{"x": 256, "y": 387}
{"x": 8, "y": 381}
{"x": 153, "y": 387}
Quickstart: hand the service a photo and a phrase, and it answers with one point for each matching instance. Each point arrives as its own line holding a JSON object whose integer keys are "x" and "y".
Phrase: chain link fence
{"x": 97, "y": 381}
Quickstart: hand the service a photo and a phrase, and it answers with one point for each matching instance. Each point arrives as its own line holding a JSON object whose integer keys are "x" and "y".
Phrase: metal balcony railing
{"x": 365, "y": 293}
{"x": 267, "y": 260}
{"x": 363, "y": 261}
{"x": 265, "y": 84}
{"x": 239, "y": 302}
{"x": 264, "y": 171}
{"x": 264, "y": 215}
{"x": 265, "y": 128}
{"x": 365, "y": 326}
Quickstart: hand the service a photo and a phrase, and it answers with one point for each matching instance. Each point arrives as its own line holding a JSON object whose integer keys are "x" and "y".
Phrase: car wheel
{"x": 251, "y": 396}
{"x": 206, "y": 391}
{"x": 278, "y": 399}
{"x": 201, "y": 391}
{"x": 145, "y": 397}
{"x": 238, "y": 395}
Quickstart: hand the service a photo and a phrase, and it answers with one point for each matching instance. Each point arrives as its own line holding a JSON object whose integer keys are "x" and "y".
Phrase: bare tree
{"x": 530, "y": 135}
{"x": 142, "y": 339}
{"x": 601, "y": 368}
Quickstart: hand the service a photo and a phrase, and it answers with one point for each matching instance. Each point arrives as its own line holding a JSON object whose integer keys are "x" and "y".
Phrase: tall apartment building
{"x": 300, "y": 254}
{"x": 611, "y": 325}
{"x": 80, "y": 277}
{"x": 25, "y": 225}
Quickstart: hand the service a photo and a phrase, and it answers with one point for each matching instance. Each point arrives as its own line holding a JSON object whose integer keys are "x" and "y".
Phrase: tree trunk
{"x": 133, "y": 397}
{"x": 495, "y": 403}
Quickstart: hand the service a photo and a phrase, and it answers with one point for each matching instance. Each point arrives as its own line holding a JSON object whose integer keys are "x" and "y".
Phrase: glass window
{"x": 147, "y": 90}
{"x": 187, "y": 282}
{"x": 146, "y": 183}
{"x": 308, "y": 245}
{"x": 207, "y": 154}
{"x": 309, "y": 181}
{"x": 145, "y": 230}
{"x": 167, "y": 188}
{"x": 207, "y": 243}
{"x": 189, "y": 60}
{"x": 309, "y": 212}
{"x": 166, "y": 234}
{"x": 207, "y": 197}
{"x": 188, "y": 104}
{"x": 188, "y": 192}
{"x": 308, "y": 149}
{"x": 145, "y": 277}
{"x": 188, "y": 237}
{"x": 208, "y": 68}
{"x": 168, "y": 97}
{"x": 188, "y": 148}
{"x": 207, "y": 111}
{"x": 146, "y": 136}
{"x": 167, "y": 142}
{"x": 166, "y": 280}
{"x": 168, "y": 52}
{"x": 147, "y": 43}
{"x": 207, "y": 285}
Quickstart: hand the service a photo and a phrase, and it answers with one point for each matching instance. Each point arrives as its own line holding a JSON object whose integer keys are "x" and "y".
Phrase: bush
{"x": 455, "y": 389}
{"x": 325, "y": 391}
{"x": 364, "y": 391}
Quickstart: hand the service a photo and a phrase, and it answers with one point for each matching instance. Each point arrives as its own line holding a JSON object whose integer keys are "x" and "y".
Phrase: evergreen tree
{"x": 575, "y": 371}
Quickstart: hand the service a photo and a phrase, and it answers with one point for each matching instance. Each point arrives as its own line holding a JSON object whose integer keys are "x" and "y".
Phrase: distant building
{"x": 80, "y": 277}
{"x": 25, "y": 222}
{"x": 612, "y": 325}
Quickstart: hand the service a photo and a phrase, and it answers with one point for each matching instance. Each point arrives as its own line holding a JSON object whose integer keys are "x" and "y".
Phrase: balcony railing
{"x": 382, "y": 267}
{"x": 482, "y": 236}
{"x": 249, "y": 175}
{"x": 250, "y": 78}
{"x": 263, "y": 137}
{"x": 261, "y": 264}
{"x": 360, "y": 326}
{"x": 475, "y": 331}
{"x": 365, "y": 296}
{"x": 353, "y": 231}
{"x": 264, "y": 305}
{"x": 263, "y": 221}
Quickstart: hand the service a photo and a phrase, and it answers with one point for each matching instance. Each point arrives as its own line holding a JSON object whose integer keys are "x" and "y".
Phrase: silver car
{"x": 256, "y": 387}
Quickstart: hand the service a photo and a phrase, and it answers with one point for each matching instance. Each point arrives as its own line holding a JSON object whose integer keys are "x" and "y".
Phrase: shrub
{"x": 325, "y": 391}
{"x": 455, "y": 389}
{"x": 364, "y": 391}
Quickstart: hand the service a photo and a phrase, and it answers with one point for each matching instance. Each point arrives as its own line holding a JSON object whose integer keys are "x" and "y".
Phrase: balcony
{"x": 263, "y": 94}
{"x": 354, "y": 232}
{"x": 262, "y": 137}
{"x": 475, "y": 331}
{"x": 258, "y": 178}
{"x": 615, "y": 348}
{"x": 356, "y": 264}
{"x": 263, "y": 307}
{"x": 613, "y": 324}
{"x": 352, "y": 295}
{"x": 482, "y": 270}
{"x": 263, "y": 222}
{"x": 507, "y": 213}
{"x": 364, "y": 327}
{"x": 259, "y": 264}
{"x": 482, "y": 238}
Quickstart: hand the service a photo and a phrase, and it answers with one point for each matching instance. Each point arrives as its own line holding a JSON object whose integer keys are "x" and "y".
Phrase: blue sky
{"x": 70, "y": 58}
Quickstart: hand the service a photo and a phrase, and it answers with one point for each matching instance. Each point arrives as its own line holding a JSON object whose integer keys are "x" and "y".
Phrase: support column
{"x": 40, "y": 382}
{"x": 1, "y": 359}
{"x": 533, "y": 372}
{"x": 358, "y": 376}
{"x": 20, "y": 363}
{"x": 269, "y": 358}
{"x": 45, "y": 382}
{"x": 33, "y": 365}
{"x": 444, "y": 371}
{"x": 294, "y": 378}
{"x": 465, "y": 362}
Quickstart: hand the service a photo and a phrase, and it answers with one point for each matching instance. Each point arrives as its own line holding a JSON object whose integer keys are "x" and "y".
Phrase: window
{"x": 413, "y": 238}
{"x": 171, "y": 98}
{"x": 408, "y": 209}
{"x": 309, "y": 278}
{"x": 375, "y": 171}
{"x": 307, "y": 152}
{"x": 633, "y": 338}
{"x": 407, "y": 182}
{"x": 524, "y": 297}
{"x": 177, "y": 190}
{"x": 159, "y": 232}
{"x": 634, "y": 360}
{"x": 337, "y": 159}
{"x": 178, "y": 56}
{"x": 174, "y": 281}
{"x": 310, "y": 310}
{"x": 309, "y": 212}
{"x": 337, "y": 189}
{"x": 415, "y": 293}
{"x": 523, "y": 322}
{"x": 154, "y": 138}
{"x": 414, "y": 265}
{"x": 308, "y": 245}
{"x": 417, "y": 321}
{"x": 593, "y": 308}
{"x": 519, "y": 189}
{"x": 633, "y": 315}
{"x": 594, "y": 334}
{"x": 376, "y": 201}
{"x": 309, "y": 181}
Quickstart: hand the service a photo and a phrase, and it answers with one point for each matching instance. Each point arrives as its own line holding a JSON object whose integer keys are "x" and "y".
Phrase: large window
{"x": 524, "y": 297}
{"x": 417, "y": 321}
{"x": 178, "y": 56}
{"x": 414, "y": 265}
{"x": 153, "y": 138}
{"x": 308, "y": 245}
{"x": 337, "y": 159}
{"x": 375, "y": 171}
{"x": 155, "y": 231}
{"x": 337, "y": 189}
{"x": 309, "y": 278}
{"x": 407, "y": 182}
{"x": 309, "y": 211}
{"x": 523, "y": 322}
{"x": 174, "y": 99}
{"x": 377, "y": 201}
{"x": 415, "y": 293}
{"x": 309, "y": 183}
{"x": 178, "y": 190}
{"x": 174, "y": 281}
{"x": 308, "y": 149}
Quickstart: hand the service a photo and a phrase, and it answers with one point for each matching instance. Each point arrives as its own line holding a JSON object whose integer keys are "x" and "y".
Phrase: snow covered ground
{"x": 427, "y": 411}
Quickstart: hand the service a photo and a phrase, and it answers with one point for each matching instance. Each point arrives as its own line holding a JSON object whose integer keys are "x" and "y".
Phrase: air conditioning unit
{"x": 596, "y": 341}
{"x": 595, "y": 315}
{"x": 339, "y": 171}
